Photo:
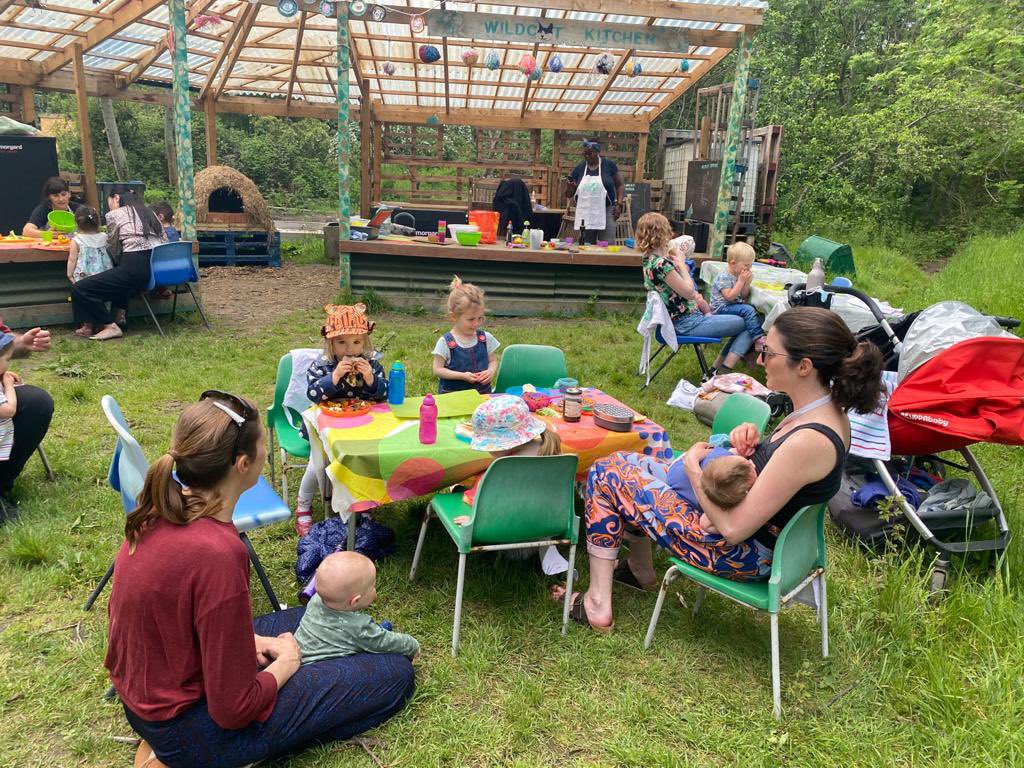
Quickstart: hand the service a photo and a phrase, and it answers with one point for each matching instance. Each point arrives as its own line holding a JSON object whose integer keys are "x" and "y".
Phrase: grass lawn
{"x": 908, "y": 683}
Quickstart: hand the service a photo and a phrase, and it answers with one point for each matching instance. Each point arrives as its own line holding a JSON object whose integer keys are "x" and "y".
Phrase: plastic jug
{"x": 487, "y": 223}
{"x": 536, "y": 238}
{"x": 396, "y": 384}
{"x": 428, "y": 421}
{"x": 816, "y": 277}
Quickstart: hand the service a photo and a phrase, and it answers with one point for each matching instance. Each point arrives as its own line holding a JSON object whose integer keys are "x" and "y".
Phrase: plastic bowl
{"x": 601, "y": 243}
{"x": 614, "y": 248}
{"x": 454, "y": 229}
{"x": 61, "y": 221}
{"x": 468, "y": 238}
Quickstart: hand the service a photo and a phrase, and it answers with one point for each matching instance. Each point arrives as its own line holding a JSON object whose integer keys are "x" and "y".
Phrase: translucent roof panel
{"x": 243, "y": 49}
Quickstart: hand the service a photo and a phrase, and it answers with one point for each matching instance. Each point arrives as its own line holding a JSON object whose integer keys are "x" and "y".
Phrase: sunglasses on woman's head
{"x": 242, "y": 412}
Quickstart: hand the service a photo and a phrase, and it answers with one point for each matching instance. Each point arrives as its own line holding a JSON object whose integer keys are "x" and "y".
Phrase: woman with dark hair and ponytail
{"x": 815, "y": 359}
{"x": 201, "y": 682}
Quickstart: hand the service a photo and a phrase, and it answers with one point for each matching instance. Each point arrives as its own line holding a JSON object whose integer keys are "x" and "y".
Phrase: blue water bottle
{"x": 396, "y": 384}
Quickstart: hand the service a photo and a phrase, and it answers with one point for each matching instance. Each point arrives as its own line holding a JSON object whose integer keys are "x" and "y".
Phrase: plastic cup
{"x": 47, "y": 235}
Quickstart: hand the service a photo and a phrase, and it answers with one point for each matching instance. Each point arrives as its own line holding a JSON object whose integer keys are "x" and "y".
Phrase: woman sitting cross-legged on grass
{"x": 810, "y": 355}
{"x": 202, "y": 682}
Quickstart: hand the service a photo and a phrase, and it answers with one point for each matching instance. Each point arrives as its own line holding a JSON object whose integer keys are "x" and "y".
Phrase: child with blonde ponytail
{"x": 464, "y": 357}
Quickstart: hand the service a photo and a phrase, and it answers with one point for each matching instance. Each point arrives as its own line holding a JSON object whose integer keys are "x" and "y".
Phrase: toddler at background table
{"x": 464, "y": 357}
{"x": 333, "y": 625}
{"x": 88, "y": 252}
{"x": 165, "y": 214}
{"x": 8, "y": 397}
{"x": 504, "y": 426}
{"x": 731, "y": 288}
{"x": 345, "y": 370}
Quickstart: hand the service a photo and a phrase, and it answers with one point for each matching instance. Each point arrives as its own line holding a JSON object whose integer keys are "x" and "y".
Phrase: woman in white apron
{"x": 599, "y": 191}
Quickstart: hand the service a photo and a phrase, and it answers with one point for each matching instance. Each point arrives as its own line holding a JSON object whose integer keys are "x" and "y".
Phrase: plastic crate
{"x": 231, "y": 249}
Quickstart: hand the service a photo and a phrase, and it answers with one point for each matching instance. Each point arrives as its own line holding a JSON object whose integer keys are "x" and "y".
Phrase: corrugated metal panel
{"x": 513, "y": 288}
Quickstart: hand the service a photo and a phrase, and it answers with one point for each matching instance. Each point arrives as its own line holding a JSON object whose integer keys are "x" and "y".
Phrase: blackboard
{"x": 641, "y": 202}
{"x": 702, "y": 178}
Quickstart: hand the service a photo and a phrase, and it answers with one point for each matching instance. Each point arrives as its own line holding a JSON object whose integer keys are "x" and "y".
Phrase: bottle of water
{"x": 396, "y": 384}
{"x": 428, "y": 421}
{"x": 816, "y": 277}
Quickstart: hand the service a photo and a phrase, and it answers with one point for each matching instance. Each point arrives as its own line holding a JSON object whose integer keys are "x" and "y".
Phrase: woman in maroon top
{"x": 200, "y": 681}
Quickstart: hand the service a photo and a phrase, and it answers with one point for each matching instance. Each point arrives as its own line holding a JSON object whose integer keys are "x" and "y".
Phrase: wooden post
{"x": 28, "y": 105}
{"x": 378, "y": 155}
{"x": 556, "y": 178}
{"x": 641, "y": 156}
{"x": 733, "y": 137}
{"x": 344, "y": 149}
{"x": 183, "y": 121}
{"x": 84, "y": 130}
{"x": 210, "y": 118}
{"x": 365, "y": 145}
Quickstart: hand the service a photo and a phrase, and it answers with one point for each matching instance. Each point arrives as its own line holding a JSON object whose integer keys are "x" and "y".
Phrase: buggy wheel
{"x": 937, "y": 584}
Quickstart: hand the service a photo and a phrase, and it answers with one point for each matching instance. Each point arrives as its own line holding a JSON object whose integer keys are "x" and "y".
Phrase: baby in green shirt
{"x": 332, "y": 626}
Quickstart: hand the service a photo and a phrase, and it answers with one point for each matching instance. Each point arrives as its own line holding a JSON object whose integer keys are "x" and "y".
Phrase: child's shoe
{"x": 303, "y": 523}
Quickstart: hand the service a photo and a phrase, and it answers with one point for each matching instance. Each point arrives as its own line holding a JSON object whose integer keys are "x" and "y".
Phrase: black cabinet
{"x": 26, "y": 162}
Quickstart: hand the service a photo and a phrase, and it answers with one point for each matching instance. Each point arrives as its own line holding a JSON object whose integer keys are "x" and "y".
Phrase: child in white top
{"x": 464, "y": 357}
{"x": 8, "y": 397}
{"x": 88, "y": 252}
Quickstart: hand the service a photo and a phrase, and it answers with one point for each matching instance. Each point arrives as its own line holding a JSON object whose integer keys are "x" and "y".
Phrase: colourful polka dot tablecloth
{"x": 377, "y": 458}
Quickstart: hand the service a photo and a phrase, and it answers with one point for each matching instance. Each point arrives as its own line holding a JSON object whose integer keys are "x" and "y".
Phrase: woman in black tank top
{"x": 814, "y": 358}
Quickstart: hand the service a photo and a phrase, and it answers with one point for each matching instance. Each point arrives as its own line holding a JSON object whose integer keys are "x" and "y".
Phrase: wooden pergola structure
{"x": 357, "y": 61}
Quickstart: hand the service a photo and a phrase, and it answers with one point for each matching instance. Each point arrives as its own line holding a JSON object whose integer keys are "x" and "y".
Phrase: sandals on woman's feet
{"x": 107, "y": 333}
{"x": 578, "y": 613}
{"x": 624, "y": 575}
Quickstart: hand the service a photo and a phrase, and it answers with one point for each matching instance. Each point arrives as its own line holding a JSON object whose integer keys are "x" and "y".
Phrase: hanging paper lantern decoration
{"x": 636, "y": 69}
{"x": 287, "y": 8}
{"x": 433, "y": 120}
{"x": 555, "y": 64}
{"x": 535, "y": 75}
{"x": 417, "y": 23}
{"x": 378, "y": 12}
{"x": 470, "y": 57}
{"x": 493, "y": 61}
{"x": 527, "y": 65}
{"x": 684, "y": 65}
{"x": 429, "y": 54}
{"x": 389, "y": 68}
{"x": 604, "y": 64}
{"x": 328, "y": 10}
{"x": 357, "y": 9}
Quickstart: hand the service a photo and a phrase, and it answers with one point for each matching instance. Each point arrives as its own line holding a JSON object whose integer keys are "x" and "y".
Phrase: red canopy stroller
{"x": 957, "y": 387}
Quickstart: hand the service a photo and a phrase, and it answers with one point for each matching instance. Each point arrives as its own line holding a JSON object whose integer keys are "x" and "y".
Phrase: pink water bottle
{"x": 428, "y": 421}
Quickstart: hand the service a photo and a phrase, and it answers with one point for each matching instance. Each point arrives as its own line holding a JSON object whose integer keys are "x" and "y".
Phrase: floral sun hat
{"x": 345, "y": 320}
{"x": 504, "y": 422}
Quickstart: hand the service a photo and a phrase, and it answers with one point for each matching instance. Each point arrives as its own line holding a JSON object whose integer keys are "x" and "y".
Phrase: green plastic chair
{"x": 522, "y": 502}
{"x": 741, "y": 408}
{"x": 530, "y": 364}
{"x": 799, "y": 561}
{"x": 281, "y": 421}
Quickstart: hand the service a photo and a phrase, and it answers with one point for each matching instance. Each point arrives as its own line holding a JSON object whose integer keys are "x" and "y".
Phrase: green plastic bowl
{"x": 61, "y": 221}
{"x": 468, "y": 238}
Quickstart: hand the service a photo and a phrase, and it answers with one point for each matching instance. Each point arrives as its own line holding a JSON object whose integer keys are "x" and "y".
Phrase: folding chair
{"x": 697, "y": 342}
{"x": 510, "y": 512}
{"x": 798, "y": 562}
{"x": 256, "y": 508}
{"x": 533, "y": 364}
{"x": 171, "y": 266}
{"x": 46, "y": 464}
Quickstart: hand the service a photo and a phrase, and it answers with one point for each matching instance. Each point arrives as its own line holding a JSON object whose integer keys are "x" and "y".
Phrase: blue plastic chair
{"x": 697, "y": 342}
{"x": 256, "y": 508}
{"x": 171, "y": 266}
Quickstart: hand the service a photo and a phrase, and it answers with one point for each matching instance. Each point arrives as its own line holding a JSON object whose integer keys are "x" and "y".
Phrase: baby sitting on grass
{"x": 333, "y": 625}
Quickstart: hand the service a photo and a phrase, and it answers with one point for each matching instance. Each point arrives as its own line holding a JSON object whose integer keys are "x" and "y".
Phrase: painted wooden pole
{"x": 734, "y": 134}
{"x": 344, "y": 149}
{"x": 182, "y": 122}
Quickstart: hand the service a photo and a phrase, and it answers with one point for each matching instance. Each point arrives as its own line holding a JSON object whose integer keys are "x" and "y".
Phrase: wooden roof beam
{"x": 126, "y": 15}
{"x": 236, "y": 27}
{"x": 246, "y": 25}
{"x": 608, "y": 83}
{"x": 509, "y": 119}
{"x": 295, "y": 57}
{"x": 684, "y": 86}
{"x": 161, "y": 46}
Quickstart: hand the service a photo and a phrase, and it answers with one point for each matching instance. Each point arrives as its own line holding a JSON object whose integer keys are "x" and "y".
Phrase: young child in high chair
{"x": 334, "y": 625}
{"x": 88, "y": 252}
{"x": 8, "y": 396}
{"x": 346, "y": 369}
{"x": 504, "y": 426}
{"x": 731, "y": 289}
{"x": 464, "y": 357}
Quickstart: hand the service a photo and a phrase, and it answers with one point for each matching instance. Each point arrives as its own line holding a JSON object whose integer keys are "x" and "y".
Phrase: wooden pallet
{"x": 231, "y": 248}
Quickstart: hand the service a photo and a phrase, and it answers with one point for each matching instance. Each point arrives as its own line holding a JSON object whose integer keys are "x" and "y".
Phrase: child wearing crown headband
{"x": 346, "y": 370}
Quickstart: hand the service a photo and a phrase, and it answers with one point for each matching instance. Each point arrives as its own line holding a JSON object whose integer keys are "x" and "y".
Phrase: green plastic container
{"x": 837, "y": 257}
{"x": 468, "y": 238}
{"x": 61, "y": 221}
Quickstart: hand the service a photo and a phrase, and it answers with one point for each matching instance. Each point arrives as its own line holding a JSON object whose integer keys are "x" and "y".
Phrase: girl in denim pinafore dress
{"x": 464, "y": 357}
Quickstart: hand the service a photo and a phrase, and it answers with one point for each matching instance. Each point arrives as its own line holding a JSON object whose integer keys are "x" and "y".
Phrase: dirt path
{"x": 251, "y": 297}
